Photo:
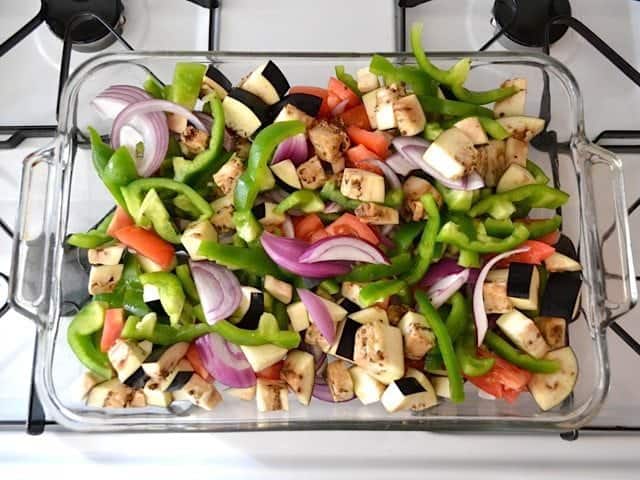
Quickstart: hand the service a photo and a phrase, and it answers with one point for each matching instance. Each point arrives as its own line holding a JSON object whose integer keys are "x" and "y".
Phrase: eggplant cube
{"x": 412, "y": 392}
{"x": 271, "y": 395}
{"x": 367, "y": 389}
{"x": 339, "y": 381}
{"x": 522, "y": 285}
{"x": 344, "y": 345}
{"x": 379, "y": 350}
{"x": 522, "y": 331}
{"x": 298, "y": 371}
{"x": 554, "y": 331}
{"x": 195, "y": 234}
{"x": 561, "y": 296}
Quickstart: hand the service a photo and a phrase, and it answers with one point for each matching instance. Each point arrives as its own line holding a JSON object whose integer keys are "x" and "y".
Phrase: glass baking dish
{"x": 61, "y": 194}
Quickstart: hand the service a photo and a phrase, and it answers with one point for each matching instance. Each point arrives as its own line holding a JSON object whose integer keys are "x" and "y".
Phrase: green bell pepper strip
{"x": 426, "y": 246}
{"x": 80, "y": 332}
{"x": 394, "y": 198}
{"x": 331, "y": 193}
{"x": 458, "y": 318}
{"x": 540, "y": 228}
{"x": 184, "y": 275}
{"x": 469, "y": 259}
{"x": 172, "y": 295}
{"x": 456, "y": 75}
{"x": 331, "y": 286}
{"x": 347, "y": 79}
{"x": 153, "y": 88}
{"x": 113, "y": 174}
{"x": 257, "y": 175}
{"x": 503, "y": 349}
{"x": 456, "y": 200}
{"x": 400, "y": 264}
{"x": 419, "y": 82}
{"x": 493, "y": 128}
{"x": 251, "y": 259}
{"x": 134, "y": 191}
{"x": 535, "y": 196}
{"x": 452, "y": 235}
{"x": 91, "y": 239}
{"x": 432, "y": 130}
{"x": 184, "y": 205}
{"x": 405, "y": 234}
{"x": 185, "y": 88}
{"x": 452, "y": 107}
{"x": 471, "y": 364}
{"x": 306, "y": 200}
{"x": 128, "y": 292}
{"x": 153, "y": 210}
{"x": 208, "y": 162}
{"x": 499, "y": 228}
{"x": 378, "y": 291}
{"x": 279, "y": 311}
{"x": 482, "y": 98}
{"x": 538, "y": 174}
{"x": 445, "y": 344}
{"x": 147, "y": 324}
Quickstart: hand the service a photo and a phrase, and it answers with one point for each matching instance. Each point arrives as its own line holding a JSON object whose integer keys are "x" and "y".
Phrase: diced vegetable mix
{"x": 338, "y": 242}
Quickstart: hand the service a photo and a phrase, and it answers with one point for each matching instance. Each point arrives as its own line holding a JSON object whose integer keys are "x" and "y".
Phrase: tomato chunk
{"x": 112, "y": 328}
{"x": 377, "y": 142}
{"x": 349, "y": 224}
{"x": 148, "y": 244}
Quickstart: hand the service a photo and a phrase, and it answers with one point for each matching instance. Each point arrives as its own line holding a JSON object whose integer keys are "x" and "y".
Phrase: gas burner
{"x": 524, "y": 21}
{"x": 88, "y": 35}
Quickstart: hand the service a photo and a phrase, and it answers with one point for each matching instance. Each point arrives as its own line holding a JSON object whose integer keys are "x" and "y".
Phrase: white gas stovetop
{"x": 30, "y": 73}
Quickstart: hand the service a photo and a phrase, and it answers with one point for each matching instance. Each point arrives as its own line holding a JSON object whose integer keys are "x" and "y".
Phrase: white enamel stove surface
{"x": 610, "y": 102}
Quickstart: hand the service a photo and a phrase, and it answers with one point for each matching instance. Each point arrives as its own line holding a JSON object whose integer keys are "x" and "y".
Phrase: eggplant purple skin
{"x": 519, "y": 279}
{"x": 561, "y": 295}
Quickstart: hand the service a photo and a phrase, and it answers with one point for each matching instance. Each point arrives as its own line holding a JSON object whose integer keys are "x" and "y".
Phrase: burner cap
{"x": 531, "y": 18}
{"x": 86, "y": 35}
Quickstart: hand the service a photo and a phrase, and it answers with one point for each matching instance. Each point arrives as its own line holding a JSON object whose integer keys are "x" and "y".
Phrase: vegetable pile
{"x": 371, "y": 239}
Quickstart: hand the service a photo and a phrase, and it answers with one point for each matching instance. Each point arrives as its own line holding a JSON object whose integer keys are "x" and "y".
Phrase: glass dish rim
{"x": 71, "y": 419}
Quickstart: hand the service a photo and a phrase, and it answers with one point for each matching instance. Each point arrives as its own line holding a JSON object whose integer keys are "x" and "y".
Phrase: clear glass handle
{"x": 32, "y": 244}
{"x": 598, "y": 156}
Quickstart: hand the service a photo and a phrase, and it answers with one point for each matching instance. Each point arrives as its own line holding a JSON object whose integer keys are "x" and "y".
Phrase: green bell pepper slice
{"x": 456, "y": 75}
{"x": 452, "y": 234}
{"x": 133, "y": 194}
{"x": 184, "y": 275}
{"x": 400, "y": 264}
{"x": 493, "y": 128}
{"x": 115, "y": 168}
{"x": 347, "y": 79}
{"x": 426, "y": 246}
{"x": 419, "y": 82}
{"x": 394, "y": 198}
{"x": 540, "y": 228}
{"x": 452, "y": 107}
{"x": 154, "y": 211}
{"x": 185, "y": 88}
{"x": 80, "y": 332}
{"x": 208, "y": 162}
{"x": 258, "y": 175}
{"x": 458, "y": 318}
{"x": 378, "y": 291}
{"x": 445, "y": 344}
{"x": 535, "y": 196}
{"x": 331, "y": 193}
{"x": 482, "y": 98}
{"x": 172, "y": 295}
{"x": 332, "y": 287}
{"x": 471, "y": 364}
{"x": 306, "y": 200}
{"x": 405, "y": 235}
{"x": 432, "y": 130}
{"x": 538, "y": 174}
{"x": 153, "y": 88}
{"x": 503, "y": 349}
{"x": 251, "y": 259}
{"x": 91, "y": 239}
{"x": 499, "y": 228}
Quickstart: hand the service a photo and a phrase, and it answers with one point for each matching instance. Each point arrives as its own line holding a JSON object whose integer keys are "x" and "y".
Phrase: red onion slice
{"x": 342, "y": 247}
{"x": 294, "y": 148}
{"x": 389, "y": 174}
{"x": 443, "y": 289}
{"x": 440, "y": 270}
{"x": 318, "y": 313}
{"x": 333, "y": 207}
{"x": 401, "y": 164}
{"x": 219, "y": 290}
{"x": 225, "y": 361}
{"x": 479, "y": 313}
{"x": 142, "y": 116}
{"x": 286, "y": 251}
{"x": 339, "y": 108}
{"x": 400, "y": 143}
